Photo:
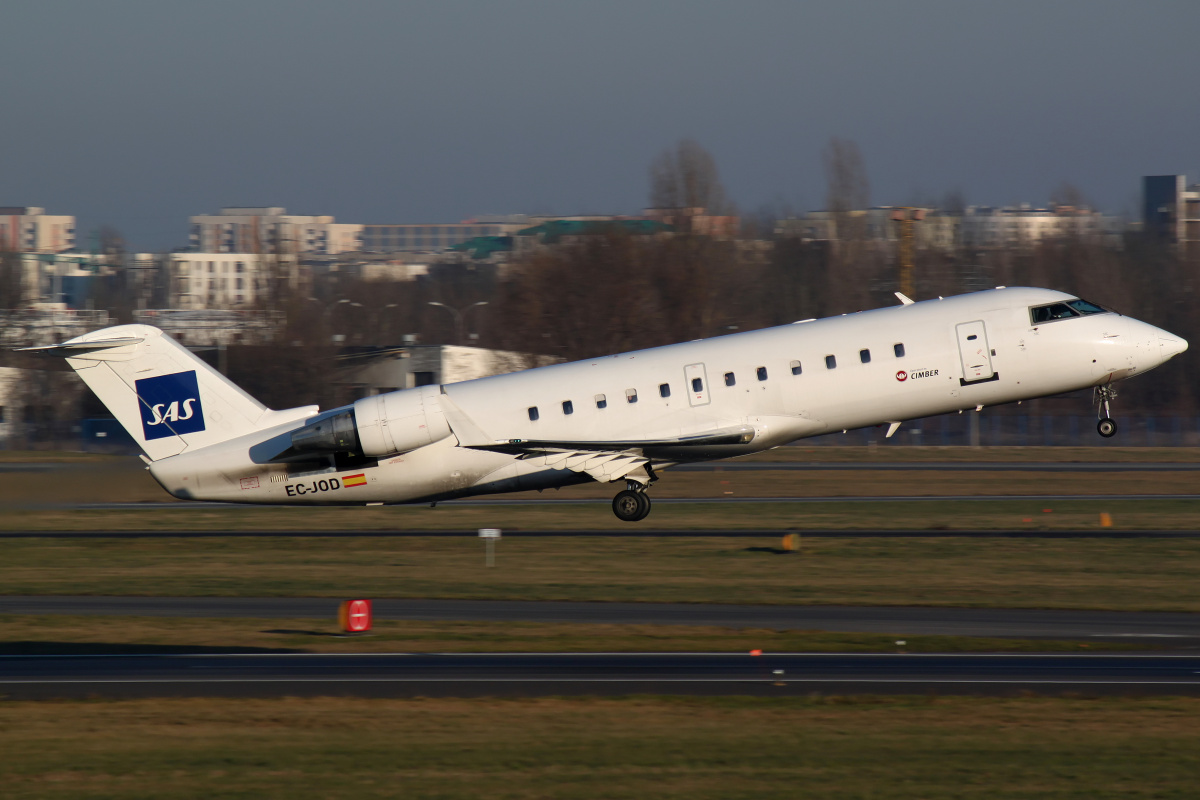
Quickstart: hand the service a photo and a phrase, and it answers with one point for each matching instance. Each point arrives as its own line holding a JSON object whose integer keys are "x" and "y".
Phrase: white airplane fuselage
{"x": 516, "y": 431}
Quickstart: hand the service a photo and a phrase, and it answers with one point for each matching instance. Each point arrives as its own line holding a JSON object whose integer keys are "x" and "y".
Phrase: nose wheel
{"x": 631, "y": 505}
{"x": 1107, "y": 426}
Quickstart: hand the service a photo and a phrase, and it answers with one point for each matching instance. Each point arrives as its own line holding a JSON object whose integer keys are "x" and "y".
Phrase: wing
{"x": 610, "y": 460}
{"x": 604, "y": 460}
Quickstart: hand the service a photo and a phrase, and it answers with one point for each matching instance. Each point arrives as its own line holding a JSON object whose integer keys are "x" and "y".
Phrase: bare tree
{"x": 848, "y": 197}
{"x": 686, "y": 177}
{"x": 847, "y": 188}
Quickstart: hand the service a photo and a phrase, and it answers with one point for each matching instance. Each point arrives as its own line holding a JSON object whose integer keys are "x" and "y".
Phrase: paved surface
{"x": 631, "y": 531}
{"x": 1149, "y": 627}
{"x": 941, "y": 466}
{"x": 501, "y": 500}
{"x": 786, "y": 466}
{"x": 598, "y": 673}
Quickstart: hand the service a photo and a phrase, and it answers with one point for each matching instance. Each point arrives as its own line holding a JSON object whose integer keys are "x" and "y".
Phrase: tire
{"x": 630, "y": 506}
{"x": 1106, "y": 428}
{"x": 644, "y": 499}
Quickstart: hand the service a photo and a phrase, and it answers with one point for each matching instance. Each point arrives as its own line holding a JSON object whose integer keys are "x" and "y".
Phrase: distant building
{"x": 209, "y": 328}
{"x": 49, "y": 323}
{"x": 433, "y": 238}
{"x": 27, "y": 229}
{"x": 271, "y": 229}
{"x": 978, "y": 227}
{"x": 697, "y": 221}
{"x": 372, "y": 371}
{"x": 1171, "y": 211}
{"x": 228, "y": 280}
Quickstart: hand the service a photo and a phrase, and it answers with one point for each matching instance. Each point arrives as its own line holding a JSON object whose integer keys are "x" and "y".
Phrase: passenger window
{"x": 697, "y": 385}
{"x": 568, "y": 407}
{"x": 762, "y": 373}
{"x": 729, "y": 379}
{"x": 664, "y": 390}
{"x": 601, "y": 401}
{"x": 533, "y": 414}
{"x": 972, "y": 336}
{"x": 631, "y": 395}
{"x": 830, "y": 362}
{"x": 898, "y": 349}
{"x": 864, "y": 356}
{"x": 795, "y": 365}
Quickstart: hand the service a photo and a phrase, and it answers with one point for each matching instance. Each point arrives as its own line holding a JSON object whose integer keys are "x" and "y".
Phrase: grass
{"x": 64, "y": 635}
{"x": 899, "y": 748}
{"x": 94, "y": 480}
{"x": 847, "y": 515}
{"x": 1141, "y": 574}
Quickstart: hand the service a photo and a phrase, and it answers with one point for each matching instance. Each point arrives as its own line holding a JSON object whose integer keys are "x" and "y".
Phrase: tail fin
{"x": 165, "y": 397}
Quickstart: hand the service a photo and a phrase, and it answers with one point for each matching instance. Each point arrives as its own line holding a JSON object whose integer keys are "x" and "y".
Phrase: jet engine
{"x": 390, "y": 423}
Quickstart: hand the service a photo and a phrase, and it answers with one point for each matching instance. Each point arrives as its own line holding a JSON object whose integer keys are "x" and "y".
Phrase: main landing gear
{"x": 1107, "y": 426}
{"x": 633, "y": 503}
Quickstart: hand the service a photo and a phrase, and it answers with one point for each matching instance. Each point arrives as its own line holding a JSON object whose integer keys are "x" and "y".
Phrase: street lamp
{"x": 458, "y": 315}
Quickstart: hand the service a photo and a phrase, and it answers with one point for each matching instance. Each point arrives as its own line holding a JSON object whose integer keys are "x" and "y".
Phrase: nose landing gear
{"x": 1107, "y": 426}
{"x": 632, "y": 504}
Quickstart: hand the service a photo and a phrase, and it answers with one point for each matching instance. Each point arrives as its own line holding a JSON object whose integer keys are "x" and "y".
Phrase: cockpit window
{"x": 1067, "y": 310}
{"x": 1050, "y": 313}
{"x": 1085, "y": 308}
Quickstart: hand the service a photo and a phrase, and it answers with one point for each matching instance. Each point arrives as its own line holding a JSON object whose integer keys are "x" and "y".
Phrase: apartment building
{"x": 28, "y": 229}
{"x": 270, "y": 229}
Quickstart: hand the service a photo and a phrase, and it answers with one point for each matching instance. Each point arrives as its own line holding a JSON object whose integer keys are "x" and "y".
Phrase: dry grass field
{"x": 866, "y": 747}
{"x": 1127, "y": 574}
{"x": 66, "y": 635}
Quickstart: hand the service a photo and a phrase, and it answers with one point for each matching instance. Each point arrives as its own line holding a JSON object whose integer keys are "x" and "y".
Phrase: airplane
{"x": 618, "y": 418}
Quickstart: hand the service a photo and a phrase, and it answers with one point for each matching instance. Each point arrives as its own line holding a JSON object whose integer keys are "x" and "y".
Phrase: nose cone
{"x": 1170, "y": 345}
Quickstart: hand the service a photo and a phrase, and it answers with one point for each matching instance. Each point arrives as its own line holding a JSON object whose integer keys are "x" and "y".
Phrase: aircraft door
{"x": 975, "y": 352}
{"x": 697, "y": 384}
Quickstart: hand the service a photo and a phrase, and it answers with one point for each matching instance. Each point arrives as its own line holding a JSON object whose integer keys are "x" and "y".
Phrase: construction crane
{"x": 906, "y": 217}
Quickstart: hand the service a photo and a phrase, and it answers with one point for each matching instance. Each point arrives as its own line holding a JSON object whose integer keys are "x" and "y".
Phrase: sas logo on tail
{"x": 170, "y": 405}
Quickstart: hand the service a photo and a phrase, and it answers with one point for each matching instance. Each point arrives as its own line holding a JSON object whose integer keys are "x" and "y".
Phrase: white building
{"x": 379, "y": 371}
{"x": 978, "y": 227}
{"x": 272, "y": 230}
{"x": 27, "y": 229}
{"x": 212, "y": 328}
{"x": 46, "y": 324}
{"x": 226, "y": 280}
{"x": 1024, "y": 226}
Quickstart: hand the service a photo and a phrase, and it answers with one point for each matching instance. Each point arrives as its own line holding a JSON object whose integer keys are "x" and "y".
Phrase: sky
{"x": 137, "y": 114}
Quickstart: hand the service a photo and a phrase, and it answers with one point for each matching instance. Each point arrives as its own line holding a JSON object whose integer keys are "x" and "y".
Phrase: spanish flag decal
{"x": 354, "y": 480}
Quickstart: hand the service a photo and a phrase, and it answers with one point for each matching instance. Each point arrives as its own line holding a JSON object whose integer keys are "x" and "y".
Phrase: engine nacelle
{"x": 395, "y": 422}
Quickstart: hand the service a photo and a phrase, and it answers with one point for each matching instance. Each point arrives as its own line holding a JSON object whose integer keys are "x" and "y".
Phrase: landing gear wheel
{"x": 1102, "y": 396}
{"x": 630, "y": 506}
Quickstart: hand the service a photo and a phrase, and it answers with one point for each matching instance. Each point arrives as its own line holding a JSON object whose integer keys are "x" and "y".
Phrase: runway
{"x": 801, "y": 466}
{"x": 621, "y": 533}
{"x": 940, "y": 466}
{"x": 386, "y": 675}
{"x": 1158, "y": 628}
{"x": 604, "y": 501}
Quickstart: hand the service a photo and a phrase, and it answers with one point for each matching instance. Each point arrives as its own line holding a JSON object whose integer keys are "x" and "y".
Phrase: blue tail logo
{"x": 170, "y": 405}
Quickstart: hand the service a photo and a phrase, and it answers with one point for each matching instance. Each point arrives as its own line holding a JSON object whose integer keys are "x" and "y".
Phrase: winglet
{"x": 892, "y": 428}
{"x": 905, "y": 299}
